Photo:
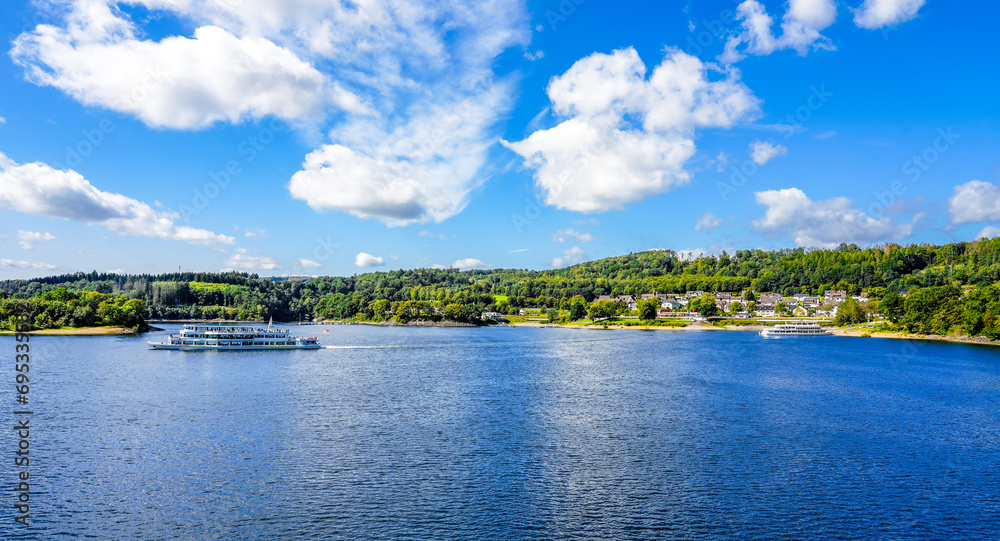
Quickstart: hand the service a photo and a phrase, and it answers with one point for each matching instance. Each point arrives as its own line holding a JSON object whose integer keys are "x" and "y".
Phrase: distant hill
{"x": 235, "y": 295}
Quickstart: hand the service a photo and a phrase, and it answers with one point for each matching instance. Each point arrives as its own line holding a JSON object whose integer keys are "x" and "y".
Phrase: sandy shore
{"x": 958, "y": 339}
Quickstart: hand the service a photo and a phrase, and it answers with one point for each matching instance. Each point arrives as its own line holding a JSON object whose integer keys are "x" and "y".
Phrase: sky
{"x": 323, "y": 137}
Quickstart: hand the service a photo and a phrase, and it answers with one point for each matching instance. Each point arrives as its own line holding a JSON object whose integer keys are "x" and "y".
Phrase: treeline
{"x": 61, "y": 307}
{"x": 242, "y": 296}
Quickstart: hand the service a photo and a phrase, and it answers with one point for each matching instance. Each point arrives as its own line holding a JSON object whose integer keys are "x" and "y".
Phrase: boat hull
{"x": 186, "y": 347}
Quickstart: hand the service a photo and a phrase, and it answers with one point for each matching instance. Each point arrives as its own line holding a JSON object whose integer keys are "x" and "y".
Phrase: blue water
{"x": 501, "y": 433}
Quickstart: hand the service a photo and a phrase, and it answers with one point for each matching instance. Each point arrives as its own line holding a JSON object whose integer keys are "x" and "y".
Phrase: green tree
{"x": 849, "y": 312}
{"x": 647, "y": 309}
{"x": 379, "y": 309}
{"x": 708, "y": 307}
{"x": 892, "y": 306}
{"x": 454, "y": 312}
{"x": 577, "y": 310}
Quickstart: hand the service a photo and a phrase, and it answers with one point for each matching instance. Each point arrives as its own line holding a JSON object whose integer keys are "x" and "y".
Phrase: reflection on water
{"x": 513, "y": 433}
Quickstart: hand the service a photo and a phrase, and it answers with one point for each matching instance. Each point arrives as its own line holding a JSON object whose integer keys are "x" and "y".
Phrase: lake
{"x": 510, "y": 433}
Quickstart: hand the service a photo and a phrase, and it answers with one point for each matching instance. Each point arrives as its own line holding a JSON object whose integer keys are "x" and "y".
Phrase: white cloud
{"x": 826, "y": 135}
{"x": 569, "y": 257}
{"x": 568, "y": 233}
{"x": 309, "y": 264}
{"x": 365, "y": 260}
{"x": 27, "y": 237}
{"x": 469, "y": 263}
{"x": 518, "y": 250}
{"x": 242, "y": 260}
{"x": 691, "y": 254}
{"x": 20, "y": 264}
{"x": 975, "y": 201}
{"x": 801, "y": 26}
{"x": 988, "y": 232}
{"x": 39, "y": 189}
{"x": 3, "y": 120}
{"x": 627, "y": 137}
{"x": 764, "y": 151}
{"x": 177, "y": 82}
{"x": 822, "y": 223}
{"x": 878, "y": 13}
{"x": 707, "y": 222}
{"x": 422, "y": 170}
{"x": 410, "y": 151}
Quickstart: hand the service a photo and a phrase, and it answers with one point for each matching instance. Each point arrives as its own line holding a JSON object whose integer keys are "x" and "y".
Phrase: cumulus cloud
{"x": 988, "y": 232}
{"x": 691, "y": 254}
{"x": 627, "y": 136}
{"x": 801, "y": 26}
{"x": 177, "y": 82}
{"x": 26, "y": 238}
{"x": 309, "y": 264}
{"x": 822, "y": 223}
{"x": 707, "y": 222}
{"x": 365, "y": 260}
{"x": 20, "y": 264}
{"x": 242, "y": 260}
{"x": 412, "y": 150}
{"x": 879, "y": 13}
{"x": 470, "y": 263}
{"x": 975, "y": 201}
{"x": 37, "y": 188}
{"x": 569, "y": 233}
{"x": 764, "y": 151}
{"x": 569, "y": 257}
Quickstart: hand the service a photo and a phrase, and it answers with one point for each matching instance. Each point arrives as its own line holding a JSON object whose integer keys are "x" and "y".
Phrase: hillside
{"x": 250, "y": 297}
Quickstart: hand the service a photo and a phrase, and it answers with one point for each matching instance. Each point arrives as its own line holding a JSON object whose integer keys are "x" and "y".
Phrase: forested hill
{"x": 247, "y": 296}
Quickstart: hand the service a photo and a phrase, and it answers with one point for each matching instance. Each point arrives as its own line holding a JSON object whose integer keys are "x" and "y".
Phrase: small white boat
{"x": 233, "y": 338}
{"x": 795, "y": 329}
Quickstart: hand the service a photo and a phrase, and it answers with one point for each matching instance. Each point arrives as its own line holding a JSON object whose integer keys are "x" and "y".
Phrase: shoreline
{"x": 82, "y": 331}
{"x": 852, "y": 332}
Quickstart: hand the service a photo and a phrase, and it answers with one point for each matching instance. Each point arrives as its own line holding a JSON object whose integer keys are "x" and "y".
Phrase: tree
{"x": 454, "y": 312}
{"x": 647, "y": 309}
{"x": 849, "y": 312}
{"x": 577, "y": 310}
{"x": 736, "y": 307}
{"x": 892, "y": 306}
{"x": 599, "y": 311}
{"x": 553, "y": 315}
{"x": 708, "y": 307}
{"x": 380, "y": 309}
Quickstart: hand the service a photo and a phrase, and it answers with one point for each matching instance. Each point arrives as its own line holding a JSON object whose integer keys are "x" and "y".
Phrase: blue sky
{"x": 318, "y": 137}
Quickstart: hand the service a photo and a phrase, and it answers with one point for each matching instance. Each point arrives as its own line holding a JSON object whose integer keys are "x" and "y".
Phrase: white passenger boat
{"x": 795, "y": 329}
{"x": 234, "y": 337}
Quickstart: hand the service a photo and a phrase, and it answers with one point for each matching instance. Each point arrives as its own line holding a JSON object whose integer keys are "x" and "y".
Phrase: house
{"x": 672, "y": 304}
{"x": 835, "y": 295}
{"x": 770, "y": 298}
{"x": 723, "y": 295}
{"x": 627, "y": 299}
{"x": 648, "y": 296}
{"x": 491, "y": 316}
{"x": 604, "y": 298}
